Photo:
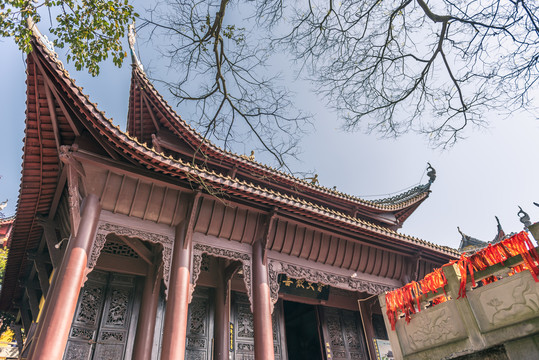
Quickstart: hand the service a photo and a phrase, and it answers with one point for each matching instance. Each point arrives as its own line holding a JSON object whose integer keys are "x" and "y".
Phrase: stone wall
{"x": 499, "y": 320}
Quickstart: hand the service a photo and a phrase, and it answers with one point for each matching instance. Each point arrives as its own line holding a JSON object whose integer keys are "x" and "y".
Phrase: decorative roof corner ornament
{"x": 132, "y": 39}
{"x": 431, "y": 173}
{"x": 49, "y": 45}
{"x": 313, "y": 180}
{"x": 3, "y": 205}
{"x": 524, "y": 217}
{"x": 500, "y": 234}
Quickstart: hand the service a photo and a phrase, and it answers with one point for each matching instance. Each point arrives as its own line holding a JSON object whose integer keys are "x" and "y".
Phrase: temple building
{"x": 156, "y": 244}
{"x": 6, "y": 225}
{"x": 470, "y": 244}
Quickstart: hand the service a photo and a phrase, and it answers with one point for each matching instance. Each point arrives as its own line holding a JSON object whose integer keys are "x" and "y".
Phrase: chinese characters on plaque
{"x": 301, "y": 287}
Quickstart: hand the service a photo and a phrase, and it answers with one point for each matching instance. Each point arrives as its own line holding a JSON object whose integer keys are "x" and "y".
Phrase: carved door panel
{"x": 102, "y": 320}
{"x": 242, "y": 318}
{"x": 87, "y": 317}
{"x": 200, "y": 326}
{"x": 343, "y": 334}
{"x": 115, "y": 320}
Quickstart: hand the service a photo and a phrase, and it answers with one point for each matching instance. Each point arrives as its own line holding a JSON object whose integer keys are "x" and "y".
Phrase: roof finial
{"x": 524, "y": 217}
{"x": 500, "y": 234}
{"x": 431, "y": 173}
{"x": 132, "y": 39}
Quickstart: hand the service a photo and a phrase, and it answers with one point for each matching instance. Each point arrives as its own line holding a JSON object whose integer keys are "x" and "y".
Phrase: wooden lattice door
{"x": 200, "y": 326}
{"x": 103, "y": 325}
{"x": 343, "y": 334}
{"x": 243, "y": 347}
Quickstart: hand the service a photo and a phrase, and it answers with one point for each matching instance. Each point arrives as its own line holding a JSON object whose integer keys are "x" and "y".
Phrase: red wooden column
{"x": 69, "y": 281}
{"x": 175, "y": 328}
{"x": 222, "y": 313}
{"x": 261, "y": 305}
{"x": 148, "y": 313}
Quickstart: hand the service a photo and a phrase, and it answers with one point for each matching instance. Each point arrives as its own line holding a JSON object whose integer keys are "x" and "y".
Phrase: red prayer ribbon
{"x": 403, "y": 299}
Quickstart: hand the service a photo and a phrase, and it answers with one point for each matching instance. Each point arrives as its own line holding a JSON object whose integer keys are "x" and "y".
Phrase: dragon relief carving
{"x": 105, "y": 229}
{"x": 200, "y": 249}
{"x": 316, "y": 276}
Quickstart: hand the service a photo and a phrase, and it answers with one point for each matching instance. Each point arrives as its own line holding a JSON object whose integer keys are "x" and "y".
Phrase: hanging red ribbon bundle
{"x": 521, "y": 244}
{"x": 464, "y": 264}
{"x": 433, "y": 281}
{"x": 403, "y": 299}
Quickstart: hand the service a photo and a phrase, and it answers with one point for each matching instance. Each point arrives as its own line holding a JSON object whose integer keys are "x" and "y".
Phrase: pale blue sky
{"x": 489, "y": 173}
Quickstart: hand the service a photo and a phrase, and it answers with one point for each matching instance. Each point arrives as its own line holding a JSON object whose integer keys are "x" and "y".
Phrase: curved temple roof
{"x": 41, "y": 173}
{"x": 150, "y": 114}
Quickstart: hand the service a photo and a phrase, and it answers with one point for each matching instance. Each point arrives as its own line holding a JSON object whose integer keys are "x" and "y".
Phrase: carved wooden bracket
{"x": 74, "y": 172}
{"x": 105, "y": 228}
{"x": 199, "y": 249}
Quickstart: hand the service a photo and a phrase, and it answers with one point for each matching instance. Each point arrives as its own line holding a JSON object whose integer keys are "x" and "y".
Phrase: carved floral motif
{"x": 90, "y": 302}
{"x": 198, "y": 317}
{"x": 82, "y": 334}
{"x": 117, "y": 314}
{"x": 112, "y": 336}
{"x": 439, "y": 323}
{"x": 107, "y": 228}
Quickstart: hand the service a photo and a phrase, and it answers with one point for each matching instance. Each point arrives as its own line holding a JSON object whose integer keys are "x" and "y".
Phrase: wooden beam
{"x": 42, "y": 275}
{"x": 152, "y": 115}
{"x": 156, "y": 144}
{"x": 49, "y": 233}
{"x": 54, "y": 120}
{"x": 32, "y": 299}
{"x": 231, "y": 269}
{"x": 139, "y": 248}
{"x": 193, "y": 215}
{"x": 58, "y": 193}
{"x": 26, "y": 322}
{"x": 18, "y": 334}
{"x": 122, "y": 264}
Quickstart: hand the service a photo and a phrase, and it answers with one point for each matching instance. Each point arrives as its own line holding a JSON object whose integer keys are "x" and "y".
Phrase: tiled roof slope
{"x": 172, "y": 121}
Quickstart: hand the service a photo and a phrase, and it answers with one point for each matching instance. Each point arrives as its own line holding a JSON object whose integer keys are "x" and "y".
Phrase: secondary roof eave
{"x": 181, "y": 128}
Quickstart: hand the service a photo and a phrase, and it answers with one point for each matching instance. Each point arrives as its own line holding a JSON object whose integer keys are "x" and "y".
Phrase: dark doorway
{"x": 302, "y": 334}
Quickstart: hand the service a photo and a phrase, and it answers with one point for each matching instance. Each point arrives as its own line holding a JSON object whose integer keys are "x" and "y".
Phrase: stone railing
{"x": 503, "y": 314}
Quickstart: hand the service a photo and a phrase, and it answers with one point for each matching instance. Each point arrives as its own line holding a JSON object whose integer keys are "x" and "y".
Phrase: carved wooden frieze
{"x": 277, "y": 267}
{"x": 105, "y": 228}
{"x": 199, "y": 249}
